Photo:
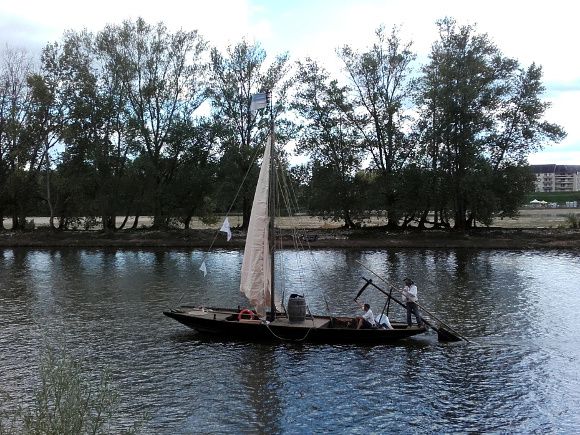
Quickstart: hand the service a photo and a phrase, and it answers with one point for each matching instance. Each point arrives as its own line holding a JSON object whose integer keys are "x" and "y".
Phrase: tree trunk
{"x": 108, "y": 222}
{"x": 187, "y": 222}
{"x": 123, "y": 223}
{"x": 15, "y": 223}
{"x": 460, "y": 212}
{"x": 348, "y": 223}
{"x": 460, "y": 221}
{"x": 246, "y": 212}
{"x": 407, "y": 220}
{"x": 393, "y": 220}
{"x": 135, "y": 222}
{"x": 423, "y": 219}
{"x": 48, "y": 192}
{"x": 62, "y": 223}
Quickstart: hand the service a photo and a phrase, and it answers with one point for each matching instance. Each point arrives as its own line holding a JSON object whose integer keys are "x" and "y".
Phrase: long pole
{"x": 272, "y": 209}
{"x": 422, "y": 308}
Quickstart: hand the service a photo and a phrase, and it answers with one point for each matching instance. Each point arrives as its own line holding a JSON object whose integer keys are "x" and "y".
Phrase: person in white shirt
{"x": 410, "y": 299}
{"x": 367, "y": 320}
{"x": 383, "y": 321}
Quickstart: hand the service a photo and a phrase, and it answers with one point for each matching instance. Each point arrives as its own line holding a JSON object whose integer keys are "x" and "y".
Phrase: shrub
{"x": 65, "y": 402}
{"x": 573, "y": 220}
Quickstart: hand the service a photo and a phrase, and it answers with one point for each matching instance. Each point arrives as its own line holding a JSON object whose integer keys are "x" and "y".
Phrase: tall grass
{"x": 64, "y": 402}
{"x": 573, "y": 220}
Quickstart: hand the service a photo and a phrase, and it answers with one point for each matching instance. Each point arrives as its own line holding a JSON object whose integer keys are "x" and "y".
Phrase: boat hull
{"x": 227, "y": 324}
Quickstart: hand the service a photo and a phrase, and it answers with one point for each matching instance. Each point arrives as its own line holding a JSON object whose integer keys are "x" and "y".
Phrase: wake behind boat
{"x": 257, "y": 283}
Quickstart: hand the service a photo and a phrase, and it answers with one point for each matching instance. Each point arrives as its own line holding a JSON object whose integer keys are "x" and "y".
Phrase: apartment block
{"x": 557, "y": 178}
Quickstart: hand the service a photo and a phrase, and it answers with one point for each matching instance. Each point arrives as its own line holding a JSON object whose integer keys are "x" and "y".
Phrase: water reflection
{"x": 519, "y": 373}
{"x": 261, "y": 385}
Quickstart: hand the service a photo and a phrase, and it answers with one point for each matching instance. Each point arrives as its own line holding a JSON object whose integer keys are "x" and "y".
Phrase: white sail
{"x": 256, "y": 278}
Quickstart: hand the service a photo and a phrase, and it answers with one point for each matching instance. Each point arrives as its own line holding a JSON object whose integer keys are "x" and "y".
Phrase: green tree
{"x": 415, "y": 192}
{"x": 43, "y": 130}
{"x": 238, "y": 74}
{"x": 191, "y": 191}
{"x": 480, "y": 112}
{"x": 298, "y": 178}
{"x": 380, "y": 82}
{"x": 16, "y": 184}
{"x": 163, "y": 78}
{"x": 97, "y": 149}
{"x": 328, "y": 196}
{"x": 329, "y": 138}
{"x": 519, "y": 127}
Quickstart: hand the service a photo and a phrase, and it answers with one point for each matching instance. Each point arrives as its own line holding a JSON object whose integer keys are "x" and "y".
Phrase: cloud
{"x": 18, "y": 32}
{"x": 564, "y": 111}
{"x": 555, "y": 157}
{"x": 219, "y": 21}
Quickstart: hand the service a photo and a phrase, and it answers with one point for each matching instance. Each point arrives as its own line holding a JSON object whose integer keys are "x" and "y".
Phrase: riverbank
{"x": 532, "y": 229}
{"x": 491, "y": 238}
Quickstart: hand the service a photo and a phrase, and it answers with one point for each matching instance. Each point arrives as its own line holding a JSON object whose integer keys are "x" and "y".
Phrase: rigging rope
{"x": 216, "y": 234}
{"x": 300, "y": 244}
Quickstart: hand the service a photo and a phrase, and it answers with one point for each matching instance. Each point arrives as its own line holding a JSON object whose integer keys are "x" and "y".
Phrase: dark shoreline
{"x": 482, "y": 238}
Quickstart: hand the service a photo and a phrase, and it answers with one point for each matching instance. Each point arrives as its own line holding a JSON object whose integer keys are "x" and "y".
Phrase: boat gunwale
{"x": 186, "y": 310}
{"x": 291, "y": 332}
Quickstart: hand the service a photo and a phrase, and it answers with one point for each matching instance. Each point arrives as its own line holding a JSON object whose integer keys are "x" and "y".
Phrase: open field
{"x": 539, "y": 218}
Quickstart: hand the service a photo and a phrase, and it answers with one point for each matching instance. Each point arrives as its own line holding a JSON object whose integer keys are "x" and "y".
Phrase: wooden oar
{"x": 451, "y": 332}
{"x": 447, "y": 334}
{"x": 391, "y": 297}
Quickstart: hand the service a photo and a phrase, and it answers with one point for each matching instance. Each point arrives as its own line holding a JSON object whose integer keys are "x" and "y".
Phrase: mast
{"x": 272, "y": 209}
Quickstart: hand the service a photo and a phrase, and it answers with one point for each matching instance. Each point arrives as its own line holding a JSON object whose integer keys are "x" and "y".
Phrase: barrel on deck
{"x": 296, "y": 308}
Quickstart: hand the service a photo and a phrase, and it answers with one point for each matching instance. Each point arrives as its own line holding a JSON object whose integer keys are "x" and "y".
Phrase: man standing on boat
{"x": 367, "y": 320}
{"x": 410, "y": 296}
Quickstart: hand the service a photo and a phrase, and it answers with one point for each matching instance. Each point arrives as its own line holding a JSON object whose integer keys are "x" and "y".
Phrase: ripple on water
{"x": 519, "y": 373}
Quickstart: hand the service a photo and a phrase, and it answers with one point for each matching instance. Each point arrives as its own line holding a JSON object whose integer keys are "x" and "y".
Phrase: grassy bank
{"x": 496, "y": 238}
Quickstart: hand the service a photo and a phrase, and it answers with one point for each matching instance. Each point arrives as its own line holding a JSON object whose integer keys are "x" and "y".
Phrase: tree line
{"x": 138, "y": 120}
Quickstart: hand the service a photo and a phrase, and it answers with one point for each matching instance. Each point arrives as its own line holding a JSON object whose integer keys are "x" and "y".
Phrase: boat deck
{"x": 315, "y": 322}
{"x": 281, "y": 320}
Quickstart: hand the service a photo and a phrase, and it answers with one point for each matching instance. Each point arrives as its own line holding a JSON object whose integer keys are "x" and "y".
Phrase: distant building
{"x": 557, "y": 178}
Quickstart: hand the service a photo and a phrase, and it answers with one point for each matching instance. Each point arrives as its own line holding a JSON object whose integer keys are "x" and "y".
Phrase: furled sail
{"x": 256, "y": 278}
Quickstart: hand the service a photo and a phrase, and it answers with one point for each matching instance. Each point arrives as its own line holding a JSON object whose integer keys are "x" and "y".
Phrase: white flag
{"x": 259, "y": 101}
{"x": 203, "y": 268}
{"x": 226, "y": 229}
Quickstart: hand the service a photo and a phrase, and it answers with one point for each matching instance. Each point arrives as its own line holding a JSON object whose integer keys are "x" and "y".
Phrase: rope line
{"x": 217, "y": 232}
{"x": 290, "y": 339}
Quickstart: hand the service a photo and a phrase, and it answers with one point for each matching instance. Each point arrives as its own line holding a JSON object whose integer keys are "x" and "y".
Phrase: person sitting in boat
{"x": 410, "y": 298}
{"x": 367, "y": 320}
{"x": 382, "y": 320}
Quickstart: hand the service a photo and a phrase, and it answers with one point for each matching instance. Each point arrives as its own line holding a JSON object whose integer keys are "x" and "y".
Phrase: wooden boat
{"x": 264, "y": 321}
{"x": 234, "y": 323}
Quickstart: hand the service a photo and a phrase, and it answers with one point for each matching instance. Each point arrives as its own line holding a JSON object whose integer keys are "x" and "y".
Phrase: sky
{"x": 530, "y": 31}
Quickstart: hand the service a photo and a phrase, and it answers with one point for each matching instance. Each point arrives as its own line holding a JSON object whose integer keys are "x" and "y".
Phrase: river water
{"x": 519, "y": 373}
